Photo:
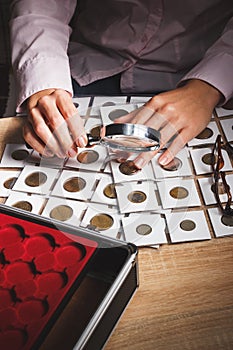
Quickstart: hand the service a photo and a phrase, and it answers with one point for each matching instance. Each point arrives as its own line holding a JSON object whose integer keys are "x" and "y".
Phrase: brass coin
{"x": 143, "y": 229}
{"x": 221, "y": 188}
{"x": 174, "y": 165}
{"x": 87, "y": 157}
{"x": 117, "y": 113}
{"x": 205, "y": 134}
{"x": 128, "y": 168}
{"x": 187, "y": 225}
{"x": 36, "y": 179}
{"x": 61, "y": 212}
{"x": 9, "y": 183}
{"x": 95, "y": 132}
{"x": 102, "y": 222}
{"x": 209, "y": 159}
{"x": 110, "y": 191}
{"x": 23, "y": 205}
{"x": 20, "y": 154}
{"x": 74, "y": 184}
{"x": 179, "y": 192}
{"x": 108, "y": 103}
{"x": 137, "y": 197}
{"x": 227, "y": 220}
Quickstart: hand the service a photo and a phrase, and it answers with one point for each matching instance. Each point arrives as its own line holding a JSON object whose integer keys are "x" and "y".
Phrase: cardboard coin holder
{"x": 100, "y": 101}
{"x": 51, "y": 162}
{"x": 187, "y": 226}
{"x": 14, "y": 156}
{"x": 105, "y": 191}
{"x": 82, "y": 104}
{"x": 227, "y": 126}
{"x": 222, "y": 112}
{"x": 206, "y": 185}
{"x": 207, "y": 136}
{"x": 120, "y": 175}
{"x": 222, "y": 225}
{"x": 32, "y": 203}
{"x": 110, "y": 113}
{"x": 144, "y": 229}
{"x": 60, "y": 285}
{"x": 7, "y": 180}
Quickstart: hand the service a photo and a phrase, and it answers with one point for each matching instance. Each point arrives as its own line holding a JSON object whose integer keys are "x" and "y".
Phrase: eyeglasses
{"x": 220, "y": 176}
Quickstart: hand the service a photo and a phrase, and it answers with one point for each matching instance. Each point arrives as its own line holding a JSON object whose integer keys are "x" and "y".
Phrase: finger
{"x": 167, "y": 132}
{"x": 33, "y": 140}
{"x": 157, "y": 121}
{"x": 143, "y": 158}
{"x": 72, "y": 117}
{"x": 127, "y": 118}
{"x": 43, "y": 132}
{"x": 57, "y": 124}
{"x": 178, "y": 143}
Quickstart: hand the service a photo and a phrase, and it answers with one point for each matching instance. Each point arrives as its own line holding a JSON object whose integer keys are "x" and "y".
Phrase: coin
{"x": 87, "y": 157}
{"x": 143, "y": 229}
{"x": 221, "y": 188}
{"x": 187, "y": 225}
{"x": 61, "y": 213}
{"x": 117, "y": 113}
{"x": 102, "y": 222}
{"x": 74, "y": 184}
{"x": 9, "y": 183}
{"x": 95, "y": 132}
{"x": 36, "y": 179}
{"x": 108, "y": 103}
{"x": 23, "y": 205}
{"x": 179, "y": 192}
{"x": 110, "y": 191}
{"x": 19, "y": 154}
{"x": 137, "y": 197}
{"x": 209, "y": 159}
{"x": 227, "y": 220}
{"x": 205, "y": 134}
{"x": 174, "y": 165}
{"x": 128, "y": 168}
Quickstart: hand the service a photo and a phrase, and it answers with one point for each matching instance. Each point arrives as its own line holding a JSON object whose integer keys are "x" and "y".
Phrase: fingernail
{"x": 71, "y": 153}
{"x": 48, "y": 153}
{"x": 82, "y": 141}
{"x": 139, "y": 163}
{"x": 163, "y": 160}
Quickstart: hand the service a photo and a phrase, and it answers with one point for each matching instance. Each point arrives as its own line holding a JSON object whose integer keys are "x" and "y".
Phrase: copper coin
{"x": 95, "y": 132}
{"x": 143, "y": 229}
{"x": 128, "y": 168}
{"x": 102, "y": 222}
{"x": 209, "y": 159}
{"x": 36, "y": 179}
{"x": 61, "y": 213}
{"x": 174, "y": 165}
{"x": 87, "y": 157}
{"x": 20, "y": 154}
{"x": 221, "y": 188}
{"x": 74, "y": 184}
{"x": 9, "y": 183}
{"x": 205, "y": 134}
{"x": 117, "y": 113}
{"x": 227, "y": 220}
{"x": 187, "y": 225}
{"x": 110, "y": 191}
{"x": 23, "y": 205}
{"x": 179, "y": 192}
{"x": 137, "y": 197}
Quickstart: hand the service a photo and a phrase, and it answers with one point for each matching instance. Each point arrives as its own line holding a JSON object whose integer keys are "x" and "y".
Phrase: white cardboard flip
{"x": 4, "y": 176}
{"x": 36, "y": 201}
{"x": 227, "y": 125}
{"x": 211, "y": 140}
{"x": 7, "y": 161}
{"x": 219, "y": 228}
{"x": 207, "y": 193}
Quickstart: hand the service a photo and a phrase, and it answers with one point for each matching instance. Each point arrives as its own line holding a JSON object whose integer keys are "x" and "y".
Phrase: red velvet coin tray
{"x": 38, "y": 267}
{"x": 61, "y": 286}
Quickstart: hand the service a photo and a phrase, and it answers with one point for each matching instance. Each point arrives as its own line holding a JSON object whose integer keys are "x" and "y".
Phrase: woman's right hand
{"x": 54, "y": 126}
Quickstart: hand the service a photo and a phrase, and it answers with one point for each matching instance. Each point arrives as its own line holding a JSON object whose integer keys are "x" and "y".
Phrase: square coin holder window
{"x": 60, "y": 285}
{"x": 144, "y": 229}
{"x": 227, "y": 125}
{"x": 14, "y": 156}
{"x": 187, "y": 226}
{"x": 207, "y": 136}
{"x": 179, "y": 166}
{"x": 178, "y": 193}
{"x": 7, "y": 180}
{"x": 222, "y": 225}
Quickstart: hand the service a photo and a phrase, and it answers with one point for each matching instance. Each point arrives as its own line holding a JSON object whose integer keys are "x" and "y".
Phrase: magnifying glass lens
{"x": 130, "y": 143}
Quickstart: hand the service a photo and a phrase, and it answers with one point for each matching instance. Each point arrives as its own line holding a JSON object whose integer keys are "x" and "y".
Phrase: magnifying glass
{"x": 127, "y": 137}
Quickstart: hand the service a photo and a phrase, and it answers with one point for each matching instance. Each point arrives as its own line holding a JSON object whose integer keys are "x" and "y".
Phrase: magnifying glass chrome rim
{"x": 130, "y": 130}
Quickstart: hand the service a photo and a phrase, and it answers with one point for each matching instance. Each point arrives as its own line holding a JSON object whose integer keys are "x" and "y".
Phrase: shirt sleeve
{"x": 39, "y": 40}
{"x": 216, "y": 67}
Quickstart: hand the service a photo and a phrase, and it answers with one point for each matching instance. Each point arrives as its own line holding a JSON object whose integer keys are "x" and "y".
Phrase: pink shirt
{"x": 155, "y": 44}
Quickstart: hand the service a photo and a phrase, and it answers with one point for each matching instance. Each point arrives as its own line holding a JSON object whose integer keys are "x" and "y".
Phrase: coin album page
{"x": 102, "y": 190}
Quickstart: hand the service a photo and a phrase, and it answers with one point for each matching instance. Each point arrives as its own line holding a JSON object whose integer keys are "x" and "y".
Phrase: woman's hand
{"x": 180, "y": 115}
{"x": 54, "y": 125}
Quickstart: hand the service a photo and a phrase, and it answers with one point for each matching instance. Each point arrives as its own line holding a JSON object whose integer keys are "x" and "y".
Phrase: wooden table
{"x": 185, "y": 297}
